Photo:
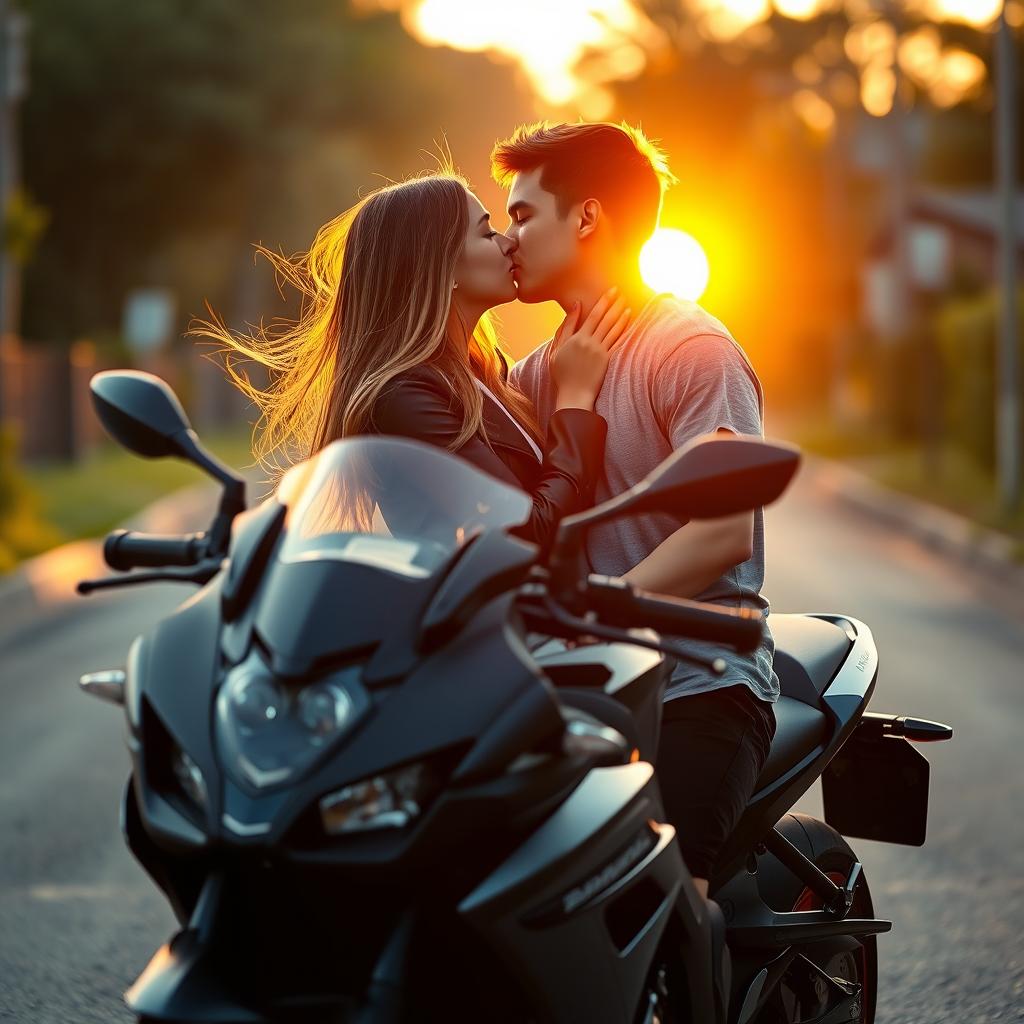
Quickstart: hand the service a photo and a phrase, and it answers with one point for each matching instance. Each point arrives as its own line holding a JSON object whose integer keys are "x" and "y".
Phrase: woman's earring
{"x": 454, "y": 286}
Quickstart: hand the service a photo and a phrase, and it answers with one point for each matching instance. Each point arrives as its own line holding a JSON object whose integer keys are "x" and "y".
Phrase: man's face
{"x": 547, "y": 244}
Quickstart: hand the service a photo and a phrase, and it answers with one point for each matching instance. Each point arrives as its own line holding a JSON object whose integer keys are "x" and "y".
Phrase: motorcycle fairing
{"x": 308, "y": 613}
{"x": 618, "y": 683}
{"x": 183, "y": 981}
{"x": 576, "y": 912}
{"x": 178, "y": 670}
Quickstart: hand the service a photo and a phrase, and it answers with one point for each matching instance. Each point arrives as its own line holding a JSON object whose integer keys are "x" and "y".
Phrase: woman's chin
{"x": 507, "y": 295}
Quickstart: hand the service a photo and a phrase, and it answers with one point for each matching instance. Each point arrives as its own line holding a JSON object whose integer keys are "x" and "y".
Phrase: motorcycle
{"x": 390, "y": 763}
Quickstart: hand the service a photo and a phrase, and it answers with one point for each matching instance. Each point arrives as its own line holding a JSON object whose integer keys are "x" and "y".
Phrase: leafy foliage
{"x": 966, "y": 330}
{"x": 164, "y": 135}
{"x": 22, "y": 532}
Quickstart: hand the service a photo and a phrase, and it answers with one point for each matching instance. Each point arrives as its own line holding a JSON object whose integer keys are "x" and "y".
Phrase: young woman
{"x": 393, "y": 337}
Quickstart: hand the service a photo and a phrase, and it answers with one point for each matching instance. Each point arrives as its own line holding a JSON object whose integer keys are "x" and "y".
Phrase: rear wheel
{"x": 800, "y": 997}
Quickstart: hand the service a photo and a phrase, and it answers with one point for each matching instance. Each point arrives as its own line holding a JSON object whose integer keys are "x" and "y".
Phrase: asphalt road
{"x": 78, "y": 920}
{"x": 951, "y": 648}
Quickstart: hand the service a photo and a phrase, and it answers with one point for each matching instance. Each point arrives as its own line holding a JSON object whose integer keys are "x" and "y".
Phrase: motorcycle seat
{"x": 808, "y": 653}
{"x": 799, "y": 729}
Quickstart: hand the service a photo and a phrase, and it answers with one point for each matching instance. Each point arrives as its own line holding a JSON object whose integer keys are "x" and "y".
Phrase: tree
{"x": 165, "y": 136}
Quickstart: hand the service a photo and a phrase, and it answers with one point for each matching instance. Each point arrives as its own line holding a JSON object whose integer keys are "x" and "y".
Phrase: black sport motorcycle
{"x": 390, "y": 764}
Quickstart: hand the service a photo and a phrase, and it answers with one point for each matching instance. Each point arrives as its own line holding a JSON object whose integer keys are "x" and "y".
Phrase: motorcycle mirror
{"x": 710, "y": 477}
{"x": 140, "y": 412}
{"x": 718, "y": 476}
{"x": 143, "y": 414}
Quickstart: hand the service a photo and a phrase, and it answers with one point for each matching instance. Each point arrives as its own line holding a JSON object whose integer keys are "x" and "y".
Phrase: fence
{"x": 46, "y": 395}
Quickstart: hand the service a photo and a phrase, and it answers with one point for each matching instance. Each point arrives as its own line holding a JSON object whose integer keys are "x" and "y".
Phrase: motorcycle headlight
{"x": 268, "y": 734}
{"x": 392, "y": 800}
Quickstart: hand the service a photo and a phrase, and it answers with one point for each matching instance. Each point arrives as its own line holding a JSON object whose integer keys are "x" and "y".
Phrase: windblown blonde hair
{"x": 376, "y": 293}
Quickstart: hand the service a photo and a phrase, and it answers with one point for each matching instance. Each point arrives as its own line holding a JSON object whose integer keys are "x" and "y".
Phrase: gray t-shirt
{"x": 677, "y": 374}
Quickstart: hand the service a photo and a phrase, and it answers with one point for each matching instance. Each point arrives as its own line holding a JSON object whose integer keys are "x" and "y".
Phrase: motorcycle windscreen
{"x": 371, "y": 522}
{"x": 394, "y": 504}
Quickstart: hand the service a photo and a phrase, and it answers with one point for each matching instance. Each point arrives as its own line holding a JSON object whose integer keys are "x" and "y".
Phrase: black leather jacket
{"x": 420, "y": 404}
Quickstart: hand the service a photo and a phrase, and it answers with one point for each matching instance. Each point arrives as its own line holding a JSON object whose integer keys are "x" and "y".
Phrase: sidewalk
{"x": 48, "y": 581}
{"x": 936, "y": 528}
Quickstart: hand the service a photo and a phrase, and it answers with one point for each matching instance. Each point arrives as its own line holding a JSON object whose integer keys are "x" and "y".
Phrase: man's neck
{"x": 590, "y": 287}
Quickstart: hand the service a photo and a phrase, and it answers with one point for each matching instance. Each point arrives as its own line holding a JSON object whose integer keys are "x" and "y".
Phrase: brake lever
{"x": 201, "y": 574}
{"x": 716, "y": 666}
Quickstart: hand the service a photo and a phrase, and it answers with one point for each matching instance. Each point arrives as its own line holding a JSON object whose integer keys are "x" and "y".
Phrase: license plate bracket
{"x": 876, "y": 787}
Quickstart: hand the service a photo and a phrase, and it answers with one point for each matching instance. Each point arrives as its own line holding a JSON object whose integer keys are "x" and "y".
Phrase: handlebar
{"x": 124, "y": 549}
{"x": 617, "y": 603}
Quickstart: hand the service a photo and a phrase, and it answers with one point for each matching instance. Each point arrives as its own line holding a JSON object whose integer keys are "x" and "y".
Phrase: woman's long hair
{"x": 376, "y": 293}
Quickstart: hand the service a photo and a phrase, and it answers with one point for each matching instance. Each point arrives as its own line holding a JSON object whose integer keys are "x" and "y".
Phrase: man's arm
{"x": 704, "y": 386}
{"x": 696, "y": 555}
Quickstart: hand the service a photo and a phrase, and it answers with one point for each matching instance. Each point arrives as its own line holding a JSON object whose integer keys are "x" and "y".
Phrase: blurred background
{"x": 848, "y": 204}
{"x": 847, "y": 197}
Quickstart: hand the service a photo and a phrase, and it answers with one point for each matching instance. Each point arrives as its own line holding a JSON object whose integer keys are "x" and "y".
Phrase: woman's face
{"x": 483, "y": 273}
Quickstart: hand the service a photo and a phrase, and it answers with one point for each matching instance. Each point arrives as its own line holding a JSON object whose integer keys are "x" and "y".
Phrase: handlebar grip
{"x": 619, "y": 604}
{"x": 124, "y": 549}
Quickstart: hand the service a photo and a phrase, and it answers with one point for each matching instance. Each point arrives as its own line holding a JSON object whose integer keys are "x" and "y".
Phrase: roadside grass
{"x": 90, "y": 497}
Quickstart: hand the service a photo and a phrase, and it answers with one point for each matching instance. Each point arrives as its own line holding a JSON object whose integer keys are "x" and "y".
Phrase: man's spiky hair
{"x": 614, "y": 163}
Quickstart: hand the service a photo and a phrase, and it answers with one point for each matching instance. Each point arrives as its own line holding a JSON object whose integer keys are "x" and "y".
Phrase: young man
{"x": 583, "y": 199}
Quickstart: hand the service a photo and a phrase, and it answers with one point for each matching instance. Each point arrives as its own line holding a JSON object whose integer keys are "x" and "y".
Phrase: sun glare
{"x": 573, "y": 51}
{"x": 546, "y": 39}
{"x": 977, "y": 13}
{"x": 673, "y": 261}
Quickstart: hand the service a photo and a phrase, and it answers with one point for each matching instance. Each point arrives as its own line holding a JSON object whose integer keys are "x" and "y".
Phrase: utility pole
{"x": 1008, "y": 388}
{"x": 899, "y": 210}
{"x": 13, "y": 86}
{"x": 5, "y": 169}
{"x": 899, "y": 194}
{"x": 893, "y": 394}
{"x": 837, "y": 190}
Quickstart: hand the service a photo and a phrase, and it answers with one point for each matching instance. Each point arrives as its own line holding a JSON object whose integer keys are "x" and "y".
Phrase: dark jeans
{"x": 712, "y": 748}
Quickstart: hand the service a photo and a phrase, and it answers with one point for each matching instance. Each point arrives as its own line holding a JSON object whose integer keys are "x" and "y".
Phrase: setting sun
{"x": 673, "y": 261}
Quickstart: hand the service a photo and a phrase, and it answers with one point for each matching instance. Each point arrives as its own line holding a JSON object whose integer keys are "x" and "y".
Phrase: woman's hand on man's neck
{"x": 587, "y": 292}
